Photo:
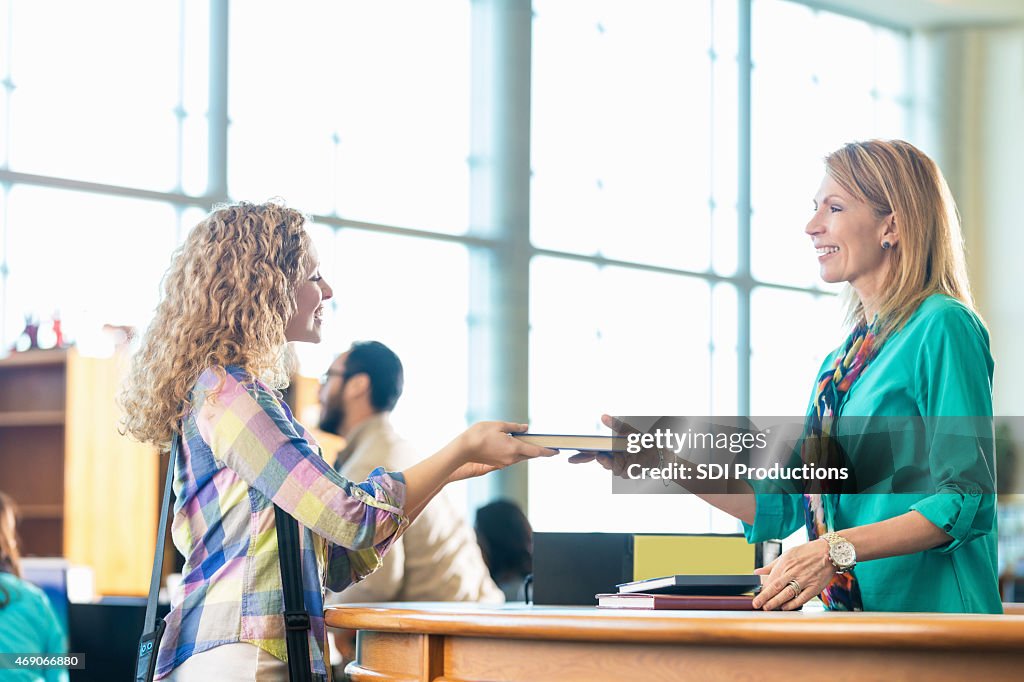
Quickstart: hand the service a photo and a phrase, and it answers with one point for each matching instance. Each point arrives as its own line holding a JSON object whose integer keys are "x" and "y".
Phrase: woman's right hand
{"x": 480, "y": 449}
{"x": 491, "y": 445}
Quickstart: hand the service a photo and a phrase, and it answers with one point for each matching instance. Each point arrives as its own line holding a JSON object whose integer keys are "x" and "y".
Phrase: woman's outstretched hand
{"x": 488, "y": 446}
{"x": 618, "y": 462}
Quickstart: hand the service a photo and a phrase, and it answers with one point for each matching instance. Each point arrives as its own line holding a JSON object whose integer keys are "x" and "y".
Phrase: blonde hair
{"x": 227, "y": 297}
{"x": 10, "y": 557}
{"x": 895, "y": 177}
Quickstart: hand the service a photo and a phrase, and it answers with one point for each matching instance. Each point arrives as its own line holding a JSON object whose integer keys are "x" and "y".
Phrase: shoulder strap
{"x": 161, "y": 538}
{"x": 153, "y": 628}
{"x": 296, "y": 618}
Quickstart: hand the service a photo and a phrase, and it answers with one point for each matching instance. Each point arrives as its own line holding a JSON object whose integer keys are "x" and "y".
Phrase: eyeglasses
{"x": 326, "y": 376}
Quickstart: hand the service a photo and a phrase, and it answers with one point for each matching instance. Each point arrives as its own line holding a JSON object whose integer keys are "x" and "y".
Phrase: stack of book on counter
{"x": 691, "y": 592}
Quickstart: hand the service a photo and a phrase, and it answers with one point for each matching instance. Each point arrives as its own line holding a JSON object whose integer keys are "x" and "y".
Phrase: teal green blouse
{"x": 937, "y": 365}
{"x": 28, "y": 625}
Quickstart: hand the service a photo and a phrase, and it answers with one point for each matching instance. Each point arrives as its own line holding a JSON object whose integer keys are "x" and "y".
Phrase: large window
{"x": 642, "y": 297}
{"x": 384, "y": 291}
{"x": 626, "y": 168}
{"x": 105, "y": 111}
{"x": 667, "y": 267}
{"x": 350, "y": 112}
{"x": 358, "y": 115}
{"x": 819, "y": 81}
{"x": 621, "y": 150}
{"x": 854, "y": 88}
{"x": 102, "y": 129}
{"x": 353, "y": 109}
{"x": 47, "y": 247}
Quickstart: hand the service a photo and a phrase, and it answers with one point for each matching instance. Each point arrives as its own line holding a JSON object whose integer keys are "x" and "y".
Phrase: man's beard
{"x": 332, "y": 417}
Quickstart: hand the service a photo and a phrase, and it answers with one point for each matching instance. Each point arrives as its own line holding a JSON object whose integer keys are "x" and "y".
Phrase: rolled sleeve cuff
{"x": 954, "y": 512}
{"x": 387, "y": 489}
{"x": 769, "y": 516}
{"x": 384, "y": 493}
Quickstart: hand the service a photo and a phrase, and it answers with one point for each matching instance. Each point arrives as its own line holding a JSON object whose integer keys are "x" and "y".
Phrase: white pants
{"x": 238, "y": 662}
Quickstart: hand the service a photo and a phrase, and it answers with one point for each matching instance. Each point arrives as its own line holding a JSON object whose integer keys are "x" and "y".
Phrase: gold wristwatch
{"x": 840, "y": 552}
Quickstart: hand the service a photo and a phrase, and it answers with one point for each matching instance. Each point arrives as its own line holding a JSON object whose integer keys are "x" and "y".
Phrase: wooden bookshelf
{"x": 84, "y": 491}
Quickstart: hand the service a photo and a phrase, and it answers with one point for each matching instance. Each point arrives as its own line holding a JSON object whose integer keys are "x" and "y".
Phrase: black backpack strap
{"x": 153, "y": 629}
{"x": 296, "y": 618}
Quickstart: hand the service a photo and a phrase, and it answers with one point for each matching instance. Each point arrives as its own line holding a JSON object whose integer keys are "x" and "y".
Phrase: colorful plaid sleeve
{"x": 247, "y": 428}
{"x": 347, "y": 566}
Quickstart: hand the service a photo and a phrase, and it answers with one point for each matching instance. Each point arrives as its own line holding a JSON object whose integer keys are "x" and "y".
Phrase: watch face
{"x": 843, "y": 554}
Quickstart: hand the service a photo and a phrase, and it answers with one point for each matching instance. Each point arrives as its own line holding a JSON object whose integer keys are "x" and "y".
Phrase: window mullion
{"x": 217, "y": 114}
{"x": 744, "y": 279}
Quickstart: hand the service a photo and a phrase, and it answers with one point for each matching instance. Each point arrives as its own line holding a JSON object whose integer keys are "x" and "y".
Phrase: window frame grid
{"x": 476, "y": 243}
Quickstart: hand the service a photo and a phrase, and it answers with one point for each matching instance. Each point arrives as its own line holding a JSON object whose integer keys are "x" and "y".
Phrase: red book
{"x": 658, "y": 602}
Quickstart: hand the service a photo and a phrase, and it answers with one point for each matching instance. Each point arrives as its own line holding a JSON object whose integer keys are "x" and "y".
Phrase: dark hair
{"x": 506, "y": 539}
{"x": 384, "y": 369}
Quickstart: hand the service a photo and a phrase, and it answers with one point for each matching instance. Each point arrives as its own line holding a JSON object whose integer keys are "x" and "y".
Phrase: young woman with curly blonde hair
{"x": 245, "y": 282}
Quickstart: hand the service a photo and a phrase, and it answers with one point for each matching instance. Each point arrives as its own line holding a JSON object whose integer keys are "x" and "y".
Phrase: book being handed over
{"x": 560, "y": 441}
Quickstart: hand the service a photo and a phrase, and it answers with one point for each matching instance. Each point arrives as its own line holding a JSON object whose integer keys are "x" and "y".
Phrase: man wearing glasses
{"x": 438, "y": 558}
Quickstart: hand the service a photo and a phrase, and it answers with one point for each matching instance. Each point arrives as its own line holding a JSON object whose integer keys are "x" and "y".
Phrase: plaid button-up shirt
{"x": 242, "y": 453}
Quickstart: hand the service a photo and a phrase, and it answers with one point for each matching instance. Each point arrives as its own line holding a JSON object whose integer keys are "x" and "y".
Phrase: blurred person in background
{"x": 506, "y": 540}
{"x": 28, "y": 624}
{"x": 438, "y": 558}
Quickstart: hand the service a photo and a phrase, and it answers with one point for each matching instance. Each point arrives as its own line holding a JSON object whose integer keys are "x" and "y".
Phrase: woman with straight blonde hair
{"x": 917, "y": 358}
{"x": 245, "y": 282}
{"x": 885, "y": 223}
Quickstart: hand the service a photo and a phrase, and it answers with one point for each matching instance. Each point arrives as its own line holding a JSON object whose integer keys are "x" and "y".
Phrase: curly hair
{"x": 227, "y": 297}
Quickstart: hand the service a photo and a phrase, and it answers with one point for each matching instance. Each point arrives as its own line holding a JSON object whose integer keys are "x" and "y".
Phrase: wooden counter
{"x": 454, "y": 642}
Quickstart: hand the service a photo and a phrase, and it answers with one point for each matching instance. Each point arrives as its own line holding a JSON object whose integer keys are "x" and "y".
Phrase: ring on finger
{"x": 795, "y": 586}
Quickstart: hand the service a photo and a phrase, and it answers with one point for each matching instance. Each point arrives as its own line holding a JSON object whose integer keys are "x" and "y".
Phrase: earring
{"x": 886, "y": 246}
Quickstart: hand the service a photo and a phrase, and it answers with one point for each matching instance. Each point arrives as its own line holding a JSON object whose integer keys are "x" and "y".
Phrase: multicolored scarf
{"x": 842, "y": 593}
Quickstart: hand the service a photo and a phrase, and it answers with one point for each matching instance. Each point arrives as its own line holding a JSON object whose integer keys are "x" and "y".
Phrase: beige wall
{"x": 1000, "y": 190}
{"x": 969, "y": 88}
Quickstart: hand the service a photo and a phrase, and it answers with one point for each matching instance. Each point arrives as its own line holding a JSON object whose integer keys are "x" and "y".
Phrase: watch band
{"x": 833, "y": 538}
